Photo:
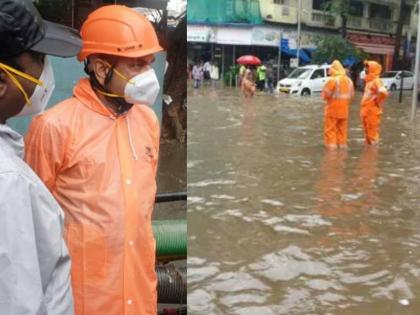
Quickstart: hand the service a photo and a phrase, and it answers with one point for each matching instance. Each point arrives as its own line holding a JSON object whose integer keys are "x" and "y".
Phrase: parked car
{"x": 304, "y": 81}
{"x": 392, "y": 80}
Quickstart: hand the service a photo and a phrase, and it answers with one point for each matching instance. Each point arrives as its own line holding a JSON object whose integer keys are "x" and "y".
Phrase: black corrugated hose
{"x": 174, "y": 311}
{"x": 172, "y": 284}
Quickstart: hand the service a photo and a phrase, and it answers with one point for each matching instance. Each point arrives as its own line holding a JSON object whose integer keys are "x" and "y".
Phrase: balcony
{"x": 279, "y": 11}
{"x": 382, "y": 25}
{"x": 369, "y": 24}
{"x": 355, "y": 22}
{"x": 321, "y": 19}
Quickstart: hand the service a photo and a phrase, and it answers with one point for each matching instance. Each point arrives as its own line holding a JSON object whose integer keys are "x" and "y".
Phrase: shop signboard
{"x": 200, "y": 34}
{"x": 265, "y": 36}
{"x": 233, "y": 36}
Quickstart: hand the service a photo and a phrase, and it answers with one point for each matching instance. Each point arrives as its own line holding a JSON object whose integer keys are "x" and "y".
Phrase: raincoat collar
{"x": 84, "y": 93}
{"x": 11, "y": 141}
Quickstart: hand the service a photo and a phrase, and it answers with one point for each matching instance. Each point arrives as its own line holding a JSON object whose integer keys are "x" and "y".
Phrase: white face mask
{"x": 142, "y": 89}
{"x": 42, "y": 94}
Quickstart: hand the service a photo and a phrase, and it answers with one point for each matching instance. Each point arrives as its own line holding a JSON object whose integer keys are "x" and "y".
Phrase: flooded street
{"x": 277, "y": 225}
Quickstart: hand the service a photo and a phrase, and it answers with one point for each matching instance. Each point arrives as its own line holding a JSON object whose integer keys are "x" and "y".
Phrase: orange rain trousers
{"x": 371, "y": 123}
{"x": 101, "y": 169}
{"x": 335, "y": 130}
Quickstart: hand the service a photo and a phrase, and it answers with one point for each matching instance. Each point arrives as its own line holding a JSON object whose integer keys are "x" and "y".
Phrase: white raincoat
{"x": 34, "y": 261}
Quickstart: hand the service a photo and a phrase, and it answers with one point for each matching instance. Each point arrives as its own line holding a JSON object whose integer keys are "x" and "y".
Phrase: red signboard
{"x": 370, "y": 39}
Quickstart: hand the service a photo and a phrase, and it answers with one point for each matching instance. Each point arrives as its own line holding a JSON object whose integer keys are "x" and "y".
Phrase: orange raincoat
{"x": 372, "y": 101}
{"x": 101, "y": 169}
{"x": 337, "y": 92}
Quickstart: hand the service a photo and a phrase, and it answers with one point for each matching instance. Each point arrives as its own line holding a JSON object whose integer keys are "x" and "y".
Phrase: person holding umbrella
{"x": 248, "y": 86}
{"x": 246, "y": 60}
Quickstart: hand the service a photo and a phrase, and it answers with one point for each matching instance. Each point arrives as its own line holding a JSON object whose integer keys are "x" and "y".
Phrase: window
{"x": 319, "y": 4}
{"x": 281, "y": 2}
{"x": 318, "y": 74}
{"x": 299, "y": 73}
{"x": 356, "y": 8}
{"x": 377, "y": 11}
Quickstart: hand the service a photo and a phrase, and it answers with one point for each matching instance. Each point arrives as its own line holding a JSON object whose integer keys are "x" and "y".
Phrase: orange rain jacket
{"x": 372, "y": 102}
{"x": 101, "y": 169}
{"x": 337, "y": 92}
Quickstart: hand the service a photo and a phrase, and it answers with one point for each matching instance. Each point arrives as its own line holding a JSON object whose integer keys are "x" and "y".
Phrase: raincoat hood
{"x": 336, "y": 69}
{"x": 374, "y": 70}
{"x": 11, "y": 141}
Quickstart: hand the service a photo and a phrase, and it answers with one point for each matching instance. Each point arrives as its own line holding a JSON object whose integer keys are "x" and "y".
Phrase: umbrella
{"x": 248, "y": 60}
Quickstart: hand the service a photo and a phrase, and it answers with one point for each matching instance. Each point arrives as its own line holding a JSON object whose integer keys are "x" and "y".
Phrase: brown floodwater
{"x": 277, "y": 225}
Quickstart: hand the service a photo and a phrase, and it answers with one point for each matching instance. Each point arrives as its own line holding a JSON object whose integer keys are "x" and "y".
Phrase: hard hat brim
{"x": 59, "y": 40}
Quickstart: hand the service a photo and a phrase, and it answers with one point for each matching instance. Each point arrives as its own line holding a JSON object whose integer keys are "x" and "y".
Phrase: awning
{"x": 376, "y": 49}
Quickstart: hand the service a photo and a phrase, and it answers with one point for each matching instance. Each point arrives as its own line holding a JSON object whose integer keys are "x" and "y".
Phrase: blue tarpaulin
{"x": 303, "y": 56}
{"x": 350, "y": 61}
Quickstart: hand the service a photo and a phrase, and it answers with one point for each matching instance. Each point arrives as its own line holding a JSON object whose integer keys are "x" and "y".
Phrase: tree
{"x": 341, "y": 8}
{"x": 58, "y": 11}
{"x": 174, "y": 122}
{"x": 174, "y": 41}
{"x": 330, "y": 48}
{"x": 398, "y": 35}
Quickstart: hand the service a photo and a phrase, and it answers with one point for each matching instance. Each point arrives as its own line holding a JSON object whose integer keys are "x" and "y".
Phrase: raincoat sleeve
{"x": 45, "y": 149}
{"x": 382, "y": 93}
{"x": 34, "y": 263}
{"x": 328, "y": 90}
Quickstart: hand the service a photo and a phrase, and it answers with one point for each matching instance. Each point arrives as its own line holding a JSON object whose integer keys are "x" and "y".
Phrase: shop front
{"x": 380, "y": 48}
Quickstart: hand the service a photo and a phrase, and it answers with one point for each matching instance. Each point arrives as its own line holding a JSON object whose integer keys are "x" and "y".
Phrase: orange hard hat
{"x": 120, "y": 31}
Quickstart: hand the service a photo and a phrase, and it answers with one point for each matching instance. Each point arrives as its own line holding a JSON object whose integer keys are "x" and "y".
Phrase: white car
{"x": 392, "y": 80}
{"x": 304, "y": 81}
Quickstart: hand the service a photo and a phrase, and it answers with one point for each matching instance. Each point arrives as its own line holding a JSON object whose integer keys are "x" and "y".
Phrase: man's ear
{"x": 3, "y": 83}
{"x": 100, "y": 68}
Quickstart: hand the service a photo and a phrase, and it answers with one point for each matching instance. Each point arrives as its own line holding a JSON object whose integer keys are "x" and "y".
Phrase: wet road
{"x": 279, "y": 226}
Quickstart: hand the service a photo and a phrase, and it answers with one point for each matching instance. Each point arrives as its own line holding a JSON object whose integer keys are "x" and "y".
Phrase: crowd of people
{"x": 253, "y": 78}
{"x": 338, "y": 93}
{"x": 203, "y": 73}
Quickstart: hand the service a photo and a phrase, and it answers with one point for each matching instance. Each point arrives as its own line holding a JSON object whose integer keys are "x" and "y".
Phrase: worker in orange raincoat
{"x": 97, "y": 153}
{"x": 337, "y": 92}
{"x": 372, "y": 102}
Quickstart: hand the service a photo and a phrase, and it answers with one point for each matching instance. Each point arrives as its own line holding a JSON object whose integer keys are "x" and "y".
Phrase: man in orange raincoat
{"x": 97, "y": 153}
{"x": 372, "y": 102}
{"x": 337, "y": 92}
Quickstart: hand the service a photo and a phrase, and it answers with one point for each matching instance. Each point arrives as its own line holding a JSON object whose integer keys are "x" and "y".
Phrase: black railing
{"x": 171, "y": 196}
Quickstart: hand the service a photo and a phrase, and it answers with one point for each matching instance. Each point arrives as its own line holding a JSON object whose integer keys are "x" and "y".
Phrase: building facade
{"x": 371, "y": 26}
